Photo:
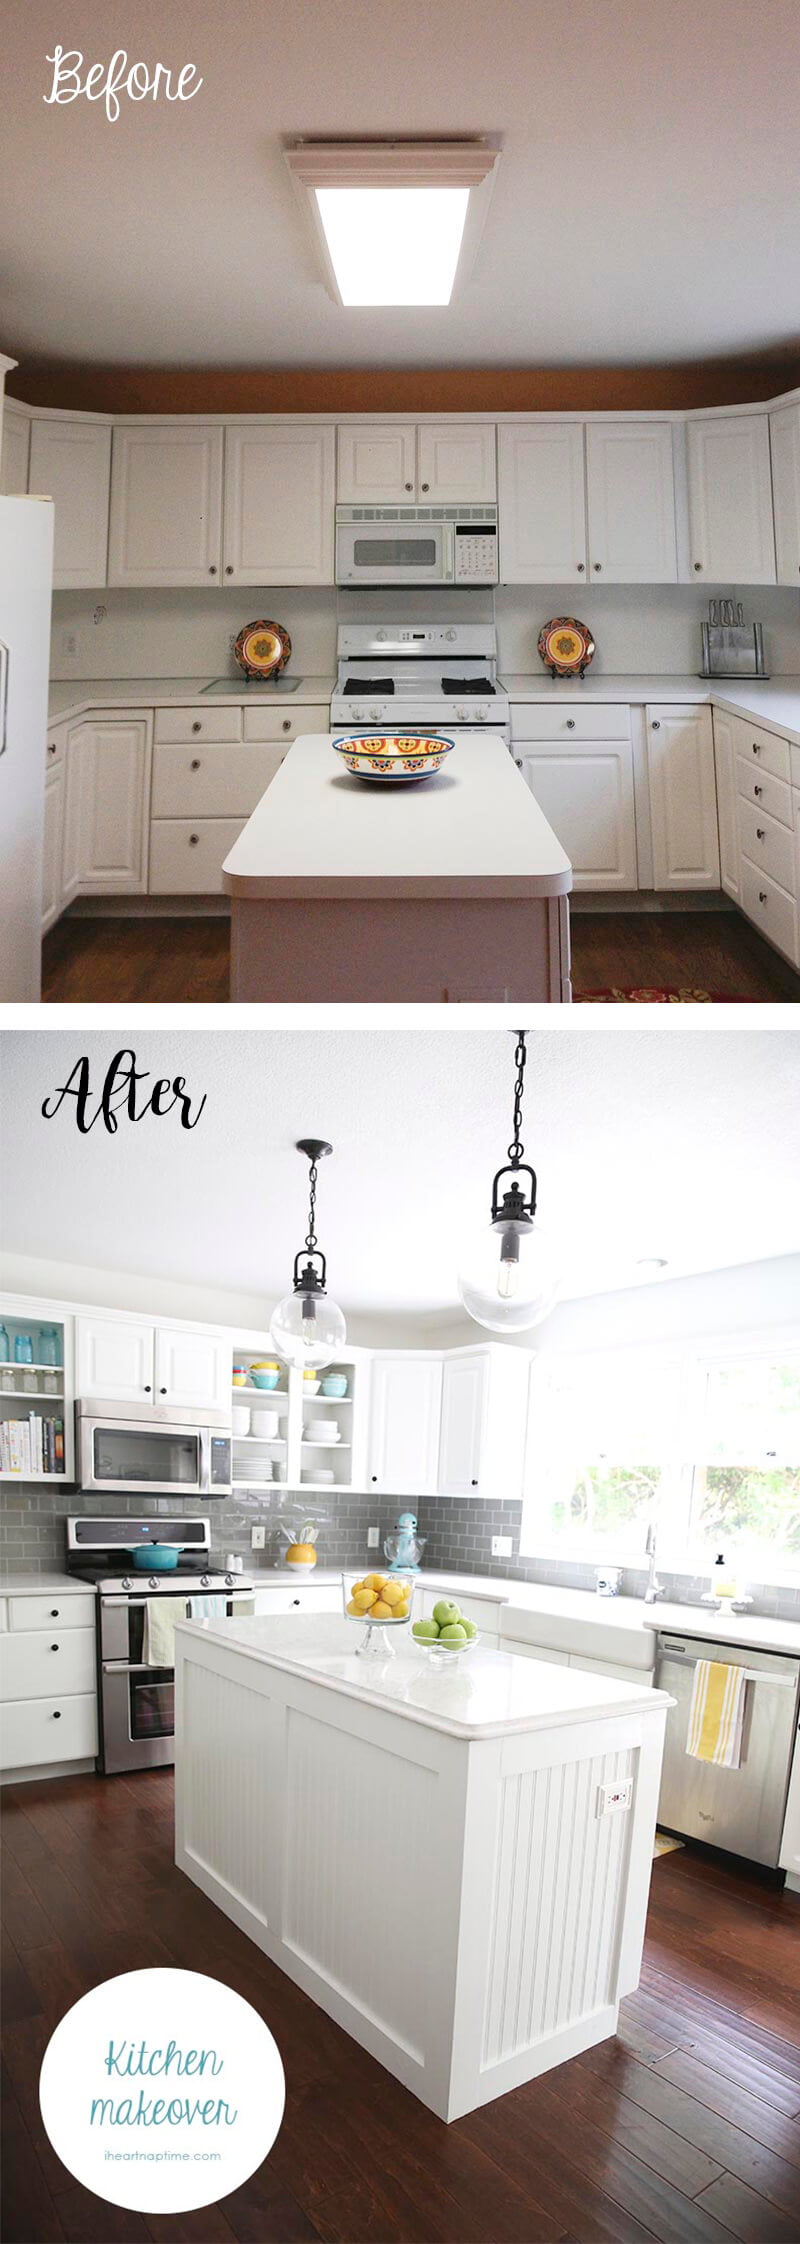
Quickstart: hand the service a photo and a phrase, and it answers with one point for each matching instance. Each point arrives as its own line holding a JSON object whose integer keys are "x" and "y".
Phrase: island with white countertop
{"x": 452, "y": 1860}
{"x": 451, "y": 890}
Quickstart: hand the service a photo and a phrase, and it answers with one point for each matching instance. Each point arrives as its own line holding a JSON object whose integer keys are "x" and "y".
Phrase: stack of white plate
{"x": 256, "y": 1471}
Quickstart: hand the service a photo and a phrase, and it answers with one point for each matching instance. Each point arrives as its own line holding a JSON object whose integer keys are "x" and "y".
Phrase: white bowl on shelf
{"x": 321, "y": 1476}
{"x": 323, "y": 1429}
{"x": 265, "y": 1424}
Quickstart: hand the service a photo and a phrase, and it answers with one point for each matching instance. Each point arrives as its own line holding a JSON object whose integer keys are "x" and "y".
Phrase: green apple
{"x": 446, "y": 1613}
{"x": 455, "y": 1634}
{"x": 426, "y": 1630}
{"x": 468, "y": 1627}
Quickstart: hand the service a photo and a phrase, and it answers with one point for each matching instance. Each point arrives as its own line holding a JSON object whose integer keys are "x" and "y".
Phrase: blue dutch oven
{"x": 156, "y": 1558}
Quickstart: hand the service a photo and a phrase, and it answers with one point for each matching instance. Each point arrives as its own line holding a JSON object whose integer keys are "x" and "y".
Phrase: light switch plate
{"x": 258, "y": 1538}
{"x": 502, "y": 1546}
{"x": 373, "y": 1538}
{"x": 613, "y": 1799}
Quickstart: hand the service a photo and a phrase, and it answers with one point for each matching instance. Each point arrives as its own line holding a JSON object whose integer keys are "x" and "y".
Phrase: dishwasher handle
{"x": 751, "y": 1674}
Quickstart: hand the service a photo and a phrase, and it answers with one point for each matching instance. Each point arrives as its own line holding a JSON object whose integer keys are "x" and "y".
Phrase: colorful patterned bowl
{"x": 394, "y": 755}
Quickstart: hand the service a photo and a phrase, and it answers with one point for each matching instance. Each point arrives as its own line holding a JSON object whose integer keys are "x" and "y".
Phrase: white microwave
{"x": 416, "y": 545}
{"x": 139, "y": 1449}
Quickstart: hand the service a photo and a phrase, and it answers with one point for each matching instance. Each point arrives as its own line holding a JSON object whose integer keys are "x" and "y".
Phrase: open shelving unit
{"x": 290, "y": 1450}
{"x": 37, "y": 1391}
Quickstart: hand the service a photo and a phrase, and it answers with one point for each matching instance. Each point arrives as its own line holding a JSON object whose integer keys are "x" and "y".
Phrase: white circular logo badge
{"x": 162, "y": 2090}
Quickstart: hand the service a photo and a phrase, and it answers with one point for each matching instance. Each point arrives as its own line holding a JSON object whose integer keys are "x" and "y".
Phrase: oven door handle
{"x": 128, "y": 1667}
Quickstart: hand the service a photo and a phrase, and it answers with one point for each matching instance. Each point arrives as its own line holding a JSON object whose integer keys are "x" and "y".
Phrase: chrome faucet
{"x": 655, "y": 1588}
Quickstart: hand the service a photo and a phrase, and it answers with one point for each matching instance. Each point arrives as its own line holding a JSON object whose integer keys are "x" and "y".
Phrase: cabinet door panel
{"x": 725, "y": 768}
{"x": 193, "y": 1368}
{"x": 542, "y": 503}
{"x": 586, "y": 793}
{"x": 108, "y": 787}
{"x": 114, "y": 1359}
{"x": 166, "y": 505}
{"x": 52, "y": 892}
{"x": 377, "y": 464}
{"x": 683, "y": 798}
{"x": 456, "y": 462}
{"x": 70, "y": 462}
{"x": 464, "y": 1400}
{"x": 730, "y": 500}
{"x": 279, "y": 504}
{"x": 15, "y": 454}
{"x": 784, "y": 427}
{"x": 631, "y": 502}
{"x": 405, "y": 1404}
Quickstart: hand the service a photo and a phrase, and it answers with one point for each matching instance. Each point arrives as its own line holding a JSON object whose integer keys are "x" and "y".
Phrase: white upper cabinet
{"x": 484, "y": 1423}
{"x": 785, "y": 445}
{"x": 377, "y": 464}
{"x": 279, "y": 503}
{"x": 405, "y": 1404}
{"x": 16, "y": 449}
{"x": 166, "y": 505}
{"x": 541, "y": 502}
{"x": 465, "y": 1388}
{"x": 70, "y": 463}
{"x": 631, "y": 502}
{"x": 683, "y": 797}
{"x": 395, "y": 463}
{"x": 107, "y": 803}
{"x": 456, "y": 461}
{"x": 730, "y": 500}
{"x": 193, "y": 1369}
{"x": 114, "y": 1359}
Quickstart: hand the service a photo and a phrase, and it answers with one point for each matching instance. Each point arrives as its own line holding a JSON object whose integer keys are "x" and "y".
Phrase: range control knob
{"x": 463, "y": 715}
{"x": 357, "y": 711}
{"x": 125, "y": 1584}
{"x": 153, "y": 1582}
{"x": 376, "y": 713}
{"x": 204, "y": 1581}
{"x": 449, "y": 634}
{"x": 380, "y": 636}
{"x": 229, "y": 1577}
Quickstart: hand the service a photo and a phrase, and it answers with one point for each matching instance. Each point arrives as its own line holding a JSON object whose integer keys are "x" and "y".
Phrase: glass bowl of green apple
{"x": 445, "y": 1633}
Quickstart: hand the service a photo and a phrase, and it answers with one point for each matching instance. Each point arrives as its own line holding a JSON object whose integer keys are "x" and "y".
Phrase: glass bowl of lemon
{"x": 380, "y": 1602}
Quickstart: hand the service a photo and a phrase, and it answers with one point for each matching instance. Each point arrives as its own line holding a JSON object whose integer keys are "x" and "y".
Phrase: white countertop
{"x": 472, "y": 829}
{"x": 485, "y": 1694}
{"x": 69, "y": 697}
{"x": 773, "y": 702}
{"x": 43, "y": 1585}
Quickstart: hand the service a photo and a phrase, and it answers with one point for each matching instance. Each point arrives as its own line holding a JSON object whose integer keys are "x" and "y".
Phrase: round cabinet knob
{"x": 54, "y": 1612}
{"x": 758, "y": 791}
{"x": 409, "y": 486}
{"x": 374, "y": 1478}
{"x": 229, "y": 568}
{"x": 762, "y": 895}
{"x": 51, "y": 747}
{"x": 162, "y": 1390}
{"x": 197, "y": 727}
{"x": 518, "y": 762}
{"x": 212, "y": 569}
{"x": 148, "y": 1390}
{"x": 56, "y": 1714}
{"x": 570, "y": 724}
{"x": 759, "y": 833}
{"x": 597, "y": 565}
{"x": 287, "y": 724}
{"x": 473, "y": 1484}
{"x": 656, "y": 724}
{"x": 698, "y": 566}
{"x": 195, "y": 764}
{"x": 54, "y": 1647}
{"x": 426, "y": 486}
{"x": 581, "y": 566}
{"x": 295, "y": 1600}
{"x": 193, "y": 841}
{"x": 756, "y": 748}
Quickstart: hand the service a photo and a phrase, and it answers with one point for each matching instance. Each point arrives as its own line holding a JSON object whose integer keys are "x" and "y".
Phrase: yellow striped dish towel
{"x": 716, "y": 1714}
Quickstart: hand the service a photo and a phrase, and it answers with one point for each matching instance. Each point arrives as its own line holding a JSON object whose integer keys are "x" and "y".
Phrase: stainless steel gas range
{"x": 438, "y": 675}
{"x": 135, "y": 1675}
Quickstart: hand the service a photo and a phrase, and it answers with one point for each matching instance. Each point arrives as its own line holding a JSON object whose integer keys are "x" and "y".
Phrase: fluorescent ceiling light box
{"x": 396, "y": 224}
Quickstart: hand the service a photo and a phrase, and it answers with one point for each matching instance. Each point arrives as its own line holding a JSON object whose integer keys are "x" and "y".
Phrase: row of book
{"x": 32, "y": 1445}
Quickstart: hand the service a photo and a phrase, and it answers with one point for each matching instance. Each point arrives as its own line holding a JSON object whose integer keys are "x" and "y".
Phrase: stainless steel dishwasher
{"x": 739, "y": 1809}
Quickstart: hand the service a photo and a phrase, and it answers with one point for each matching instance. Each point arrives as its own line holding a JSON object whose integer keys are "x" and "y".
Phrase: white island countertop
{"x": 484, "y": 1694}
{"x": 473, "y": 829}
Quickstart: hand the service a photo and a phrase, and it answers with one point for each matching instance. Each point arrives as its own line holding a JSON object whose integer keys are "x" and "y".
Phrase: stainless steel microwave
{"x": 416, "y": 545}
{"x": 136, "y": 1449}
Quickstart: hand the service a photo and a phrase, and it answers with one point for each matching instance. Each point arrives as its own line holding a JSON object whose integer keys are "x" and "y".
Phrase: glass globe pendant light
{"x": 509, "y": 1280}
{"x": 307, "y": 1329}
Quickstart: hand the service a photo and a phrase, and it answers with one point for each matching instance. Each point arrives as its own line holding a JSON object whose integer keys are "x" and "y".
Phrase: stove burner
{"x": 467, "y": 685}
{"x": 368, "y": 685}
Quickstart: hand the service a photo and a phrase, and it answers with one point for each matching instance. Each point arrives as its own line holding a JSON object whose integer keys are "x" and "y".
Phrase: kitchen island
{"x": 453, "y": 1862}
{"x": 453, "y": 889}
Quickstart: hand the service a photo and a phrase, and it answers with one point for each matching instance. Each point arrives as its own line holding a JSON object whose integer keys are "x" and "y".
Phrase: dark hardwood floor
{"x": 686, "y": 2128}
{"x": 185, "y": 961}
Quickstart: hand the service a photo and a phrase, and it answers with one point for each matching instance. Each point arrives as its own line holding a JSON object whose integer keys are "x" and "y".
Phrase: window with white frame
{"x": 701, "y": 1443}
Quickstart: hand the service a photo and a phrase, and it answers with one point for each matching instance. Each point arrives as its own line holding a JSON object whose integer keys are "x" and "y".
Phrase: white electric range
{"x": 438, "y": 675}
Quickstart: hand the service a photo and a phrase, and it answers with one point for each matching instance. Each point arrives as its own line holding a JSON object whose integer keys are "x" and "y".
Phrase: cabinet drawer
{"x": 300, "y": 1599}
{"x": 770, "y": 909}
{"x": 572, "y": 720}
{"x": 286, "y": 724}
{"x": 764, "y": 791}
{"x": 39, "y": 1612}
{"x": 198, "y": 724}
{"x": 213, "y": 782}
{"x": 39, "y": 1730}
{"x": 187, "y": 855}
{"x": 767, "y": 843}
{"x": 794, "y": 756}
{"x": 40, "y": 1664}
{"x": 56, "y": 746}
{"x": 763, "y": 749}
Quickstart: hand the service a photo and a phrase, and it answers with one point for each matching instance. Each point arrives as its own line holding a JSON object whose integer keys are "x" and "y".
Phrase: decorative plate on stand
{"x": 566, "y": 647}
{"x": 263, "y": 649}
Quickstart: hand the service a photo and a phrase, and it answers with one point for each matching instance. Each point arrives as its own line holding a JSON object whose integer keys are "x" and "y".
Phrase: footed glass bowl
{"x": 379, "y": 1602}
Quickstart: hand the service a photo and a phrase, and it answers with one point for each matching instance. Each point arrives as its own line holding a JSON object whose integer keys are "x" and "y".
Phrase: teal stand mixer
{"x": 405, "y": 1547}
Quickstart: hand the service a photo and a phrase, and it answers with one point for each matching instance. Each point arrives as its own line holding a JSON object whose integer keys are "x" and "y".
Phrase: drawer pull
{"x": 570, "y": 724}
{"x": 212, "y": 569}
{"x": 580, "y": 567}
{"x": 760, "y": 833}
{"x": 56, "y": 1715}
{"x": 287, "y": 724}
{"x": 762, "y": 895}
{"x": 656, "y": 725}
{"x": 195, "y": 764}
{"x": 193, "y": 840}
{"x": 758, "y": 790}
{"x": 756, "y": 748}
{"x": 51, "y": 747}
{"x": 698, "y": 566}
{"x": 597, "y": 565}
{"x": 196, "y": 727}
{"x": 54, "y": 1612}
{"x": 54, "y": 1647}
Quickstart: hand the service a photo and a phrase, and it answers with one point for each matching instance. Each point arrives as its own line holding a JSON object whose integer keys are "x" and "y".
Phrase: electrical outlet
{"x": 502, "y": 1546}
{"x": 373, "y": 1538}
{"x": 613, "y": 1799}
{"x": 258, "y": 1538}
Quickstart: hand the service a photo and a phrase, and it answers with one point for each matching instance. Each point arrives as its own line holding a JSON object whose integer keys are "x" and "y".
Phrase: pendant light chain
{"x": 311, "y": 1236}
{"x": 516, "y": 1148}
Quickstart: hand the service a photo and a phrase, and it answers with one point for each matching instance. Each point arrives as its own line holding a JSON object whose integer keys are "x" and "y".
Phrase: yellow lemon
{"x": 353, "y": 1608}
{"x": 356, "y": 1586}
{"x": 401, "y": 1610}
{"x": 380, "y": 1611}
{"x": 392, "y": 1592}
{"x": 374, "y": 1581}
{"x": 363, "y": 1599}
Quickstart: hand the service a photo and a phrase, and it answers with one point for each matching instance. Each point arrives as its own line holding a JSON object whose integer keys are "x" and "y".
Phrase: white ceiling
{"x": 681, "y": 1145}
{"x": 646, "y": 206}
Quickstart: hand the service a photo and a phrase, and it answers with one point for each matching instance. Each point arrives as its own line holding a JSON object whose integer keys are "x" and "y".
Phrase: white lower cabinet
{"x": 789, "y": 1857}
{"x": 304, "y": 1598}
{"x": 770, "y": 908}
{"x": 683, "y": 798}
{"x": 725, "y": 772}
{"x": 210, "y": 769}
{"x": 47, "y": 1682}
{"x": 405, "y": 1410}
{"x": 586, "y": 793}
{"x": 53, "y": 845}
{"x": 187, "y": 855}
{"x": 107, "y": 801}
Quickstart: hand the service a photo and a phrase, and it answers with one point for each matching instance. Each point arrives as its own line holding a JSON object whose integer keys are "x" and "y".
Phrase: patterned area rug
{"x": 654, "y": 997}
{"x": 662, "y": 1844}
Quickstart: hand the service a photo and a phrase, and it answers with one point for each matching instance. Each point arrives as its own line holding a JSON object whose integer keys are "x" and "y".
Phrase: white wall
{"x": 750, "y": 1297}
{"x": 189, "y": 634}
{"x": 146, "y": 1296}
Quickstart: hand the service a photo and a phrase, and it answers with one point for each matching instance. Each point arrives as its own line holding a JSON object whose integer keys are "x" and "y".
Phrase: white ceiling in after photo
{"x": 679, "y": 1145}
{"x": 646, "y": 206}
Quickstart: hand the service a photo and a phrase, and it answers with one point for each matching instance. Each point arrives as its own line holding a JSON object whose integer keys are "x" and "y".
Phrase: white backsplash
{"x": 185, "y": 634}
